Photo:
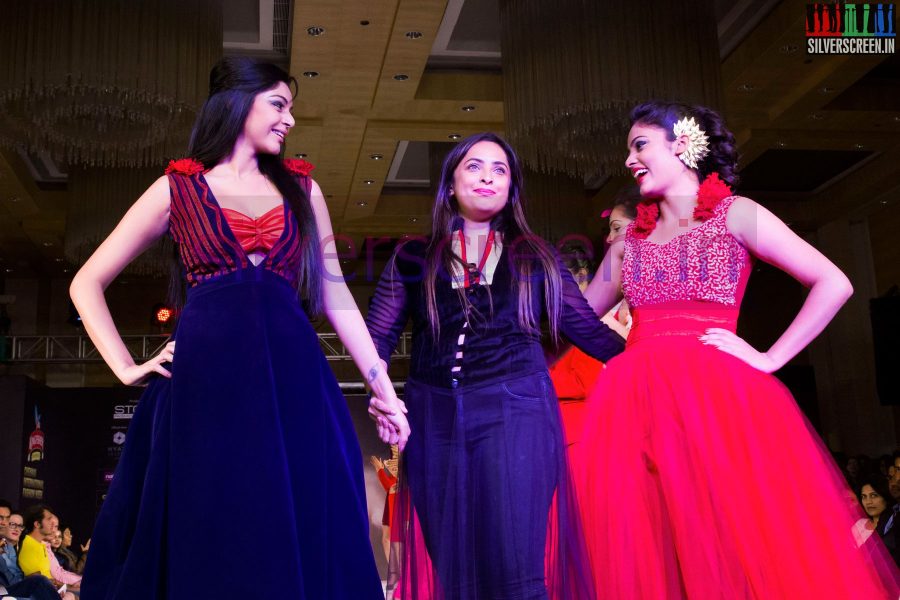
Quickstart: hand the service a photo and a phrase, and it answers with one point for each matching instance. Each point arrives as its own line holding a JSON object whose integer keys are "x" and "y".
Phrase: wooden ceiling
{"x": 788, "y": 109}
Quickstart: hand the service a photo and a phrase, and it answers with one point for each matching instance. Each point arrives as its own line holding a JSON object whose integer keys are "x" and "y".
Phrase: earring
{"x": 697, "y": 144}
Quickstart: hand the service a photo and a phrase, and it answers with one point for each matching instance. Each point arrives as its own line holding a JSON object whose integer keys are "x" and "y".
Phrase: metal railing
{"x": 80, "y": 348}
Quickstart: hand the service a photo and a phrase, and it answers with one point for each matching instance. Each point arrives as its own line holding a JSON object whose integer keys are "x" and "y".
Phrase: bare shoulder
{"x": 744, "y": 217}
{"x": 742, "y": 208}
{"x": 157, "y": 197}
{"x": 316, "y": 197}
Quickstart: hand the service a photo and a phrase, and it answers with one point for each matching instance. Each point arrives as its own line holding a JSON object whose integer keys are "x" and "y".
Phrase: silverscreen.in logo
{"x": 838, "y": 28}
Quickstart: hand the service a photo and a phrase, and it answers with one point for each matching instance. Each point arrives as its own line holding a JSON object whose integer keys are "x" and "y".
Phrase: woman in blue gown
{"x": 246, "y": 428}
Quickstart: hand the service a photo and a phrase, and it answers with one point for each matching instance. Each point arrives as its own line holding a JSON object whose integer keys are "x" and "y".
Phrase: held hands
{"x": 385, "y": 408}
{"x": 389, "y": 415}
{"x": 138, "y": 374}
{"x": 730, "y": 343}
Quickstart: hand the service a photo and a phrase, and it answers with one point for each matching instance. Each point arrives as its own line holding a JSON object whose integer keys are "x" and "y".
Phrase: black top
{"x": 494, "y": 349}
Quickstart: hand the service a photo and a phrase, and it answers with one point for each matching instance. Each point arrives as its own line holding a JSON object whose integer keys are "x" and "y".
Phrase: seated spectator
{"x": 894, "y": 478}
{"x": 65, "y": 550}
{"x": 10, "y": 533}
{"x": 56, "y": 545}
{"x": 72, "y": 580}
{"x": 12, "y": 581}
{"x": 33, "y": 553}
{"x": 83, "y": 559}
{"x": 876, "y": 501}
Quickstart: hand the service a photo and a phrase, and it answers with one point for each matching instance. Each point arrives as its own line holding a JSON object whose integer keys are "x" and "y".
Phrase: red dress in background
{"x": 573, "y": 377}
{"x": 698, "y": 475}
{"x": 389, "y": 483}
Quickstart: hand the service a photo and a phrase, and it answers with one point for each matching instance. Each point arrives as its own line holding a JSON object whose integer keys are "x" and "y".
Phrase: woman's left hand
{"x": 730, "y": 343}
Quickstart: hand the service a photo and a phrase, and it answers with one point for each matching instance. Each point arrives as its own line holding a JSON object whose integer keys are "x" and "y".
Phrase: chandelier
{"x": 573, "y": 69}
{"x": 105, "y": 82}
{"x": 98, "y": 199}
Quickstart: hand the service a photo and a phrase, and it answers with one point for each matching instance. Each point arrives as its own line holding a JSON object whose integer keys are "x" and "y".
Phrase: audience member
{"x": 34, "y": 554}
{"x": 65, "y": 550}
{"x": 10, "y": 533}
{"x": 66, "y": 562}
{"x": 12, "y": 581}
{"x": 876, "y": 501}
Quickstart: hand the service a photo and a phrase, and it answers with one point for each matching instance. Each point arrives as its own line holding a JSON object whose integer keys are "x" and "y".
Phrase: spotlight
{"x": 162, "y": 314}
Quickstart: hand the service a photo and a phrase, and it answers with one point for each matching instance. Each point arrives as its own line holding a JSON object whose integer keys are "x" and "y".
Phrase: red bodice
{"x": 259, "y": 234}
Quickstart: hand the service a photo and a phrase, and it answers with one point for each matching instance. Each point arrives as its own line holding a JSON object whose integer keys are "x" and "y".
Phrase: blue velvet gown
{"x": 241, "y": 476}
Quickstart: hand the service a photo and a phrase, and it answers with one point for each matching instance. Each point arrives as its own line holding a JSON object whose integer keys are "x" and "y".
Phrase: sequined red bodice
{"x": 705, "y": 264}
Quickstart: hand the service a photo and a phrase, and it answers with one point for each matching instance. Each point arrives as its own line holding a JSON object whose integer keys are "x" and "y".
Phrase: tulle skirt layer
{"x": 485, "y": 509}
{"x": 700, "y": 478}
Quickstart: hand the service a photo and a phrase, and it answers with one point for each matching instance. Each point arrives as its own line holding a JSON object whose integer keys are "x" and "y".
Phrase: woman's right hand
{"x": 139, "y": 374}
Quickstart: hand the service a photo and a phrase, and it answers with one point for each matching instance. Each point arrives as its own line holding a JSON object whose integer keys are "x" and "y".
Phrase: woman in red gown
{"x": 695, "y": 462}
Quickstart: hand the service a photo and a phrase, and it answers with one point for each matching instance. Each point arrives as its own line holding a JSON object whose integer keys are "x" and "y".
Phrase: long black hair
{"x": 722, "y": 157}
{"x": 524, "y": 246}
{"x": 234, "y": 83}
{"x": 879, "y": 484}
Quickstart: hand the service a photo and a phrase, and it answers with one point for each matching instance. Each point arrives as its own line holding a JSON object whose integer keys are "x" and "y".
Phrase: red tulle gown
{"x": 698, "y": 475}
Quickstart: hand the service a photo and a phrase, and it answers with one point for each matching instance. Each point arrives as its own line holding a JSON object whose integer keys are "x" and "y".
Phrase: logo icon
{"x": 838, "y": 28}
{"x": 119, "y": 438}
{"x": 36, "y": 439}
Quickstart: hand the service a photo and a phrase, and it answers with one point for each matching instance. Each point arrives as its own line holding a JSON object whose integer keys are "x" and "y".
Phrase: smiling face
{"x": 269, "y": 120}
{"x": 653, "y": 159}
{"x": 618, "y": 221}
{"x": 481, "y": 182}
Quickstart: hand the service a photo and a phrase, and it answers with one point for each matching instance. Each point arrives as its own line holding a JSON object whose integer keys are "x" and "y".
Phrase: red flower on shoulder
{"x": 184, "y": 166}
{"x": 298, "y": 166}
{"x": 712, "y": 191}
{"x": 645, "y": 223}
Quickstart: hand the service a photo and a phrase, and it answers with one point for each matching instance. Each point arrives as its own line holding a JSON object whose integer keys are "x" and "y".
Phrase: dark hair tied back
{"x": 234, "y": 83}
{"x": 722, "y": 157}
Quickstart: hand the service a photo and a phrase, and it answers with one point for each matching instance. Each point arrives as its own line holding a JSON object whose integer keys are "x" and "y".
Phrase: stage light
{"x": 162, "y": 314}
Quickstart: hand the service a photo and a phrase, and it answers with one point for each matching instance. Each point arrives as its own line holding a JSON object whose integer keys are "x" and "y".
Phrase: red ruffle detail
{"x": 184, "y": 166}
{"x": 645, "y": 223}
{"x": 712, "y": 191}
{"x": 298, "y": 166}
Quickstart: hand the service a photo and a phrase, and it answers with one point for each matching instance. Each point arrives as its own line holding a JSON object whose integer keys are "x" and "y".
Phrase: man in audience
{"x": 894, "y": 478}
{"x": 34, "y": 555}
{"x": 12, "y": 580}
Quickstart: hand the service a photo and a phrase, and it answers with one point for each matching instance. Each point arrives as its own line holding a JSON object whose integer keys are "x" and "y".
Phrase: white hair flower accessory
{"x": 697, "y": 145}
